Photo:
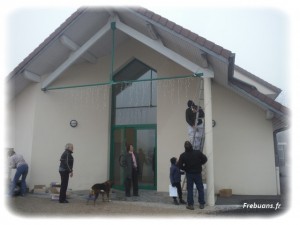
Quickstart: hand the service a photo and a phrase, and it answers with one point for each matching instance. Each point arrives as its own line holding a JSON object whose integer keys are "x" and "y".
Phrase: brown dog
{"x": 103, "y": 188}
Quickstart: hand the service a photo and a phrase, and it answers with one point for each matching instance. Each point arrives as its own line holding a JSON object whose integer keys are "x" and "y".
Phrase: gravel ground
{"x": 36, "y": 206}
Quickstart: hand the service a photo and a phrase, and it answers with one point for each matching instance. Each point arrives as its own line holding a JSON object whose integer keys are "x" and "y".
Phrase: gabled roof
{"x": 47, "y": 57}
{"x": 67, "y": 46}
{"x": 207, "y": 45}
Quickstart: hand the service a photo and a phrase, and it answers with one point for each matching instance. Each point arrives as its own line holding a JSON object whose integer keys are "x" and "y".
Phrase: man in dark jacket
{"x": 195, "y": 130}
{"x": 65, "y": 170}
{"x": 191, "y": 162}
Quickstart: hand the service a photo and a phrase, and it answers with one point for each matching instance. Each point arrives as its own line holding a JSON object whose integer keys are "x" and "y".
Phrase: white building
{"x": 77, "y": 74}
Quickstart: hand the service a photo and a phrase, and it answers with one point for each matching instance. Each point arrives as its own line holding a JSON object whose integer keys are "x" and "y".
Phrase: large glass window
{"x": 135, "y": 102}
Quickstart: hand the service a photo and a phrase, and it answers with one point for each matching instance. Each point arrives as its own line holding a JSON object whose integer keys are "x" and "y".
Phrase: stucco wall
{"x": 55, "y": 109}
{"x": 20, "y": 122}
{"x": 243, "y": 145}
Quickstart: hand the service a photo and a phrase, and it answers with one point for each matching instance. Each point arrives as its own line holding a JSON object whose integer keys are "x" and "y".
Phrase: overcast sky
{"x": 257, "y": 35}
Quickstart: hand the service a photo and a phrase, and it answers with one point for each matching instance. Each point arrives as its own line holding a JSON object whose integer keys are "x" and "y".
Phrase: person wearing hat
{"x": 195, "y": 130}
{"x": 16, "y": 161}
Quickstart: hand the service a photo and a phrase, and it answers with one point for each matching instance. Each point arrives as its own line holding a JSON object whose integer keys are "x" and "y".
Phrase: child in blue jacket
{"x": 175, "y": 179}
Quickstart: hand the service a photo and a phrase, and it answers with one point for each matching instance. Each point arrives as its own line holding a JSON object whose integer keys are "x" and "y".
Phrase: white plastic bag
{"x": 172, "y": 191}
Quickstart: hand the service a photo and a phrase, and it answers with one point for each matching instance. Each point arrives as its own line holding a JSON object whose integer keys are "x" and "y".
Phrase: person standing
{"x": 191, "y": 162}
{"x": 65, "y": 171}
{"x": 195, "y": 128}
{"x": 131, "y": 172}
{"x": 16, "y": 161}
{"x": 175, "y": 180}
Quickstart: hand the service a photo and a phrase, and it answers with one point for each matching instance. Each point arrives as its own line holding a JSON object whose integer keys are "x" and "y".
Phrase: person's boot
{"x": 176, "y": 202}
{"x": 182, "y": 201}
{"x": 190, "y": 207}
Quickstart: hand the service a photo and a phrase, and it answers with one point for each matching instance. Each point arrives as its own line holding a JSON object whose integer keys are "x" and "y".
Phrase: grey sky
{"x": 258, "y": 36}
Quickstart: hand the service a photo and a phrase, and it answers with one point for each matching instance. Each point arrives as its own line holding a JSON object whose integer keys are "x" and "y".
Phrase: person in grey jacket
{"x": 16, "y": 161}
{"x": 65, "y": 171}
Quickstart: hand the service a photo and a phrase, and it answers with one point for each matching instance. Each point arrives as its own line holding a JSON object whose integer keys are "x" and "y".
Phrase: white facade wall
{"x": 243, "y": 145}
{"x": 243, "y": 155}
{"x": 20, "y": 118}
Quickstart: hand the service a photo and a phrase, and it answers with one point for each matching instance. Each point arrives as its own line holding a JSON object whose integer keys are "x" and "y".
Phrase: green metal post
{"x": 113, "y": 28}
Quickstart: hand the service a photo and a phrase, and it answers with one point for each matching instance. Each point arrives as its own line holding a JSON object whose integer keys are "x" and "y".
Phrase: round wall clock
{"x": 73, "y": 123}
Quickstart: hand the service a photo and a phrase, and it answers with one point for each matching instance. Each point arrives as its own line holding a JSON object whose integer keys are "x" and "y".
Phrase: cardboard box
{"x": 39, "y": 189}
{"x": 54, "y": 190}
{"x": 225, "y": 192}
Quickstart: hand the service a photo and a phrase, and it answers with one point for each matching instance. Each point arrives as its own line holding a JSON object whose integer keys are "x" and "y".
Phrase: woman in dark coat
{"x": 131, "y": 172}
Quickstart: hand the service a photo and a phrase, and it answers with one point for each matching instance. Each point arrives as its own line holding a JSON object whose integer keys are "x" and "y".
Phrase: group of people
{"x": 17, "y": 161}
{"x": 191, "y": 160}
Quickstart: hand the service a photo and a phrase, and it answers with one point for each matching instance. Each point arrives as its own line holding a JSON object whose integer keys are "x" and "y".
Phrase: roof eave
{"x": 253, "y": 94}
{"x": 203, "y": 44}
{"x": 70, "y": 20}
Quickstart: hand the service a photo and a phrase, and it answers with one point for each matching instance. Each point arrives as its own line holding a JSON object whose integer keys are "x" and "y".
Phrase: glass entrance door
{"x": 143, "y": 138}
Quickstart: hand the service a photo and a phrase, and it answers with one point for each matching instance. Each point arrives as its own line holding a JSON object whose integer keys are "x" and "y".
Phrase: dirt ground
{"x": 33, "y": 206}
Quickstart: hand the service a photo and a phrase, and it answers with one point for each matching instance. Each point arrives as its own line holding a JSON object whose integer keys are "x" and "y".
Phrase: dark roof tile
{"x": 163, "y": 21}
{"x": 156, "y": 17}
{"x": 149, "y": 14}
{"x": 208, "y": 44}
{"x": 226, "y": 53}
{"x": 192, "y": 36}
{"x": 185, "y": 32}
{"x": 200, "y": 40}
{"x": 141, "y": 10}
{"x": 177, "y": 28}
{"x": 170, "y": 24}
{"x": 217, "y": 49}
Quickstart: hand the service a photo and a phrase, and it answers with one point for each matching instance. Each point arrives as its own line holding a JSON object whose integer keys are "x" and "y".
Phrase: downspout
{"x": 277, "y": 166}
